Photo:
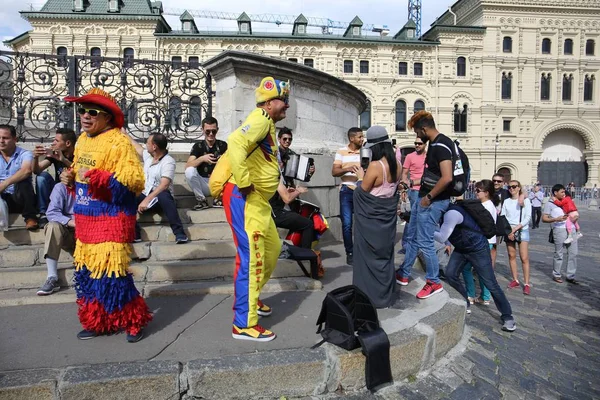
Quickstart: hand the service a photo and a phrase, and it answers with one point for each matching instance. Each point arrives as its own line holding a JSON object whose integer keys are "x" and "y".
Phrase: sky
{"x": 382, "y": 12}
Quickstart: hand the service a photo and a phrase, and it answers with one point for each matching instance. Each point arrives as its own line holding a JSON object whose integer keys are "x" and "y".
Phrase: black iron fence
{"x": 155, "y": 96}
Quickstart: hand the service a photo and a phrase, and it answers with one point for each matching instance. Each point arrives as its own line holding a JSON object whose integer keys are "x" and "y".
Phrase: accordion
{"x": 297, "y": 167}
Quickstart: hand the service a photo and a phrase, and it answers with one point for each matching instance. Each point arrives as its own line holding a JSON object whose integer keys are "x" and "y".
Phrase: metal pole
{"x": 495, "y": 152}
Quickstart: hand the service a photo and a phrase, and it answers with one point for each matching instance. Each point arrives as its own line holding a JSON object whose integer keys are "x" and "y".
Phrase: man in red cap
{"x": 107, "y": 176}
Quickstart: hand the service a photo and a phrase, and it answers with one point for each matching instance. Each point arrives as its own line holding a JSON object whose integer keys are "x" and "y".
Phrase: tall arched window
{"x": 546, "y": 46}
{"x": 195, "y": 111}
{"x": 62, "y": 53}
{"x": 568, "y": 47}
{"x": 545, "y": 86}
{"x": 96, "y": 53}
{"x": 588, "y": 88}
{"x": 461, "y": 66}
{"x": 128, "y": 55}
{"x": 566, "y": 89}
{"x": 419, "y": 105}
{"x": 365, "y": 117}
{"x": 589, "y": 47}
{"x": 506, "y": 85}
{"x": 400, "y": 116}
{"x": 507, "y": 44}
{"x": 460, "y": 118}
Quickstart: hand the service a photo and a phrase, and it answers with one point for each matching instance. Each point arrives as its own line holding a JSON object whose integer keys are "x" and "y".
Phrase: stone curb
{"x": 270, "y": 374}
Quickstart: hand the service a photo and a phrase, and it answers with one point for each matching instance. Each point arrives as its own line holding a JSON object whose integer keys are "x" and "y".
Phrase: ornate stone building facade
{"x": 515, "y": 81}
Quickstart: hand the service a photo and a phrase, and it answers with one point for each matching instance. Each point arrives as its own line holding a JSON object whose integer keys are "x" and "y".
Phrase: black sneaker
{"x": 85, "y": 335}
{"x": 349, "y": 259}
{"x": 42, "y": 221}
{"x": 572, "y": 281}
{"x": 137, "y": 240}
{"x": 181, "y": 239}
{"x": 49, "y": 287}
{"x": 218, "y": 203}
{"x": 135, "y": 338}
{"x": 202, "y": 204}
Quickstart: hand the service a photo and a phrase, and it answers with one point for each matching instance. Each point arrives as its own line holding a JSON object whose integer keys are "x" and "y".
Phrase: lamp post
{"x": 496, "y": 143}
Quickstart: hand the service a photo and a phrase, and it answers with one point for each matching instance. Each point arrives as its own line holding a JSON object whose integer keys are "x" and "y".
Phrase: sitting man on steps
{"x": 201, "y": 163}
{"x": 15, "y": 177}
{"x": 60, "y": 154}
{"x": 159, "y": 171}
{"x": 59, "y": 233}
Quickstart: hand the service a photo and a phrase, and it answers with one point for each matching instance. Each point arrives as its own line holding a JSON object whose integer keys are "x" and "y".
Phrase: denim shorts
{"x": 524, "y": 235}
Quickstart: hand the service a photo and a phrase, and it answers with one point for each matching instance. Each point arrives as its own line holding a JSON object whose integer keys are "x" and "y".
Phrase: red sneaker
{"x": 429, "y": 290}
{"x": 400, "y": 280}
{"x": 514, "y": 284}
{"x": 262, "y": 309}
{"x": 527, "y": 290}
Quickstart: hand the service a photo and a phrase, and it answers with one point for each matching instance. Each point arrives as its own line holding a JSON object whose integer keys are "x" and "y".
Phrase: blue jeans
{"x": 166, "y": 205}
{"x": 427, "y": 220}
{"x": 44, "y": 183}
{"x": 410, "y": 229}
{"x": 482, "y": 262}
{"x": 470, "y": 282}
{"x": 346, "y": 213}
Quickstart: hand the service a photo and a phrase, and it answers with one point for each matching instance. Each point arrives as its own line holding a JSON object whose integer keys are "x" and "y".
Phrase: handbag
{"x": 517, "y": 233}
{"x": 551, "y": 236}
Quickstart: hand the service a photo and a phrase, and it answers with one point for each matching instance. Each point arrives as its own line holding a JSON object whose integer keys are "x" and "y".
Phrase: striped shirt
{"x": 346, "y": 158}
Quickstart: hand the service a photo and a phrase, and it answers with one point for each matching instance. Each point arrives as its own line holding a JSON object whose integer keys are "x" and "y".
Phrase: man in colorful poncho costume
{"x": 108, "y": 176}
{"x": 252, "y": 154}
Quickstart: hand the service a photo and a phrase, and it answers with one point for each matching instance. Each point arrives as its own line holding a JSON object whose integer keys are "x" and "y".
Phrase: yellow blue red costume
{"x": 105, "y": 215}
{"x": 254, "y": 232}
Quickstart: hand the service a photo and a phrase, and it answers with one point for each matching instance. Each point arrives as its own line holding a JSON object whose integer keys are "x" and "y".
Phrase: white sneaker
{"x": 568, "y": 240}
{"x": 579, "y": 235}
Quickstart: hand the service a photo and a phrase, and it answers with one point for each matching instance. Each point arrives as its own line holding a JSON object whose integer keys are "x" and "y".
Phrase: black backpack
{"x": 346, "y": 312}
{"x": 480, "y": 215}
{"x": 461, "y": 171}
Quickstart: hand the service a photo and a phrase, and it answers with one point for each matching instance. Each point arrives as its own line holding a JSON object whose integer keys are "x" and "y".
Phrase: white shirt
{"x": 512, "y": 211}
{"x": 164, "y": 168}
{"x": 555, "y": 211}
{"x": 489, "y": 205}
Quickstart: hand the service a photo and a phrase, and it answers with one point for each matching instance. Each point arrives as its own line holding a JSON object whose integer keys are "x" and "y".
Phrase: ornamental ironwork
{"x": 156, "y": 96}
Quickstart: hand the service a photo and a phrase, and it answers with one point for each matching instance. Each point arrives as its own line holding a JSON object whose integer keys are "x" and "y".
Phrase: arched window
{"x": 546, "y": 46}
{"x": 507, "y": 44}
{"x": 461, "y": 66}
{"x": 419, "y": 105}
{"x": 506, "y": 85}
{"x": 96, "y": 53}
{"x": 62, "y": 53}
{"x": 128, "y": 55}
{"x": 460, "y": 118}
{"x": 588, "y": 88}
{"x": 589, "y": 47}
{"x": 195, "y": 111}
{"x": 568, "y": 47}
{"x": 400, "y": 116}
{"x": 365, "y": 117}
{"x": 566, "y": 89}
{"x": 545, "y": 87}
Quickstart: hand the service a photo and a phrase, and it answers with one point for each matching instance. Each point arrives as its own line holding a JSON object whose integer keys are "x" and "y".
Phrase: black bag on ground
{"x": 351, "y": 322}
{"x": 480, "y": 215}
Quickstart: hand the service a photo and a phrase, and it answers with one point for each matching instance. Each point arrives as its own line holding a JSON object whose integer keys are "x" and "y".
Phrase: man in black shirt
{"x": 201, "y": 163}
{"x": 60, "y": 155}
{"x": 434, "y": 200}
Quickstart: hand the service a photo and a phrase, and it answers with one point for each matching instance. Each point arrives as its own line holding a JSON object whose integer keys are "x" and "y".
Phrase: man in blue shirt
{"x": 16, "y": 187}
{"x": 60, "y": 234}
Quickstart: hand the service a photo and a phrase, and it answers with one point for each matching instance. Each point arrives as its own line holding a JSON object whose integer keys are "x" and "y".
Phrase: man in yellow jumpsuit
{"x": 252, "y": 154}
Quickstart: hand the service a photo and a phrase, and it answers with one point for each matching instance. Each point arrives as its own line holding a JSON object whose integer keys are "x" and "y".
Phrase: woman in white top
{"x": 518, "y": 217}
{"x": 485, "y": 193}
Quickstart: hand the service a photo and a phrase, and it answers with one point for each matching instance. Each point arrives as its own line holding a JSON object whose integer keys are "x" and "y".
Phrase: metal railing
{"x": 155, "y": 96}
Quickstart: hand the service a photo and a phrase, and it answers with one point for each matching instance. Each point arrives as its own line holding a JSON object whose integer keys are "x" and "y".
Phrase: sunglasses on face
{"x": 479, "y": 190}
{"x": 285, "y": 139}
{"x": 418, "y": 144}
{"x": 495, "y": 181}
{"x": 93, "y": 112}
{"x": 210, "y": 132}
{"x": 513, "y": 186}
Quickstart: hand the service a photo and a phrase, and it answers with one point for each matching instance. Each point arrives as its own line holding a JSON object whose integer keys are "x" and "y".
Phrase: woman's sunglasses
{"x": 513, "y": 186}
{"x": 480, "y": 190}
{"x": 93, "y": 112}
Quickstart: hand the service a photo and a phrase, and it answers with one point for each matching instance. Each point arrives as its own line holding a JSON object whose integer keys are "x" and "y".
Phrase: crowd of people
{"x": 104, "y": 179}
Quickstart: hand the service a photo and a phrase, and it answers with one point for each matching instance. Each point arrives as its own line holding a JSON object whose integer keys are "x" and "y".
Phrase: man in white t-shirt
{"x": 159, "y": 171}
{"x": 554, "y": 214}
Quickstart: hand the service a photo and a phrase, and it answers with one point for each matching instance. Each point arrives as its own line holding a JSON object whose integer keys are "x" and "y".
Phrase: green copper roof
{"x": 301, "y": 19}
{"x": 244, "y": 18}
{"x": 138, "y": 7}
{"x": 186, "y": 16}
{"x": 356, "y": 21}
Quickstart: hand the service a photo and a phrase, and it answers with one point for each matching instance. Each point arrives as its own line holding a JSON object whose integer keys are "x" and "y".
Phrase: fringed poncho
{"x": 105, "y": 215}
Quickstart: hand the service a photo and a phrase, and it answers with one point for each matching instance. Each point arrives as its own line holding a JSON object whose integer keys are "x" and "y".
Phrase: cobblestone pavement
{"x": 553, "y": 354}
